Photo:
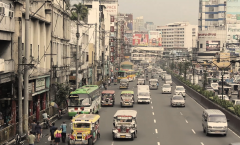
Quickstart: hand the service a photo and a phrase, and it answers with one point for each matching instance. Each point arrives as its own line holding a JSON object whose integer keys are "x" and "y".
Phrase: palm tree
{"x": 79, "y": 9}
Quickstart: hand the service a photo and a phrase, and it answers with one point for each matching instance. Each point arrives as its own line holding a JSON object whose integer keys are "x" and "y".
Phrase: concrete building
{"x": 146, "y": 53}
{"x": 150, "y": 26}
{"x": 138, "y": 24}
{"x": 178, "y": 34}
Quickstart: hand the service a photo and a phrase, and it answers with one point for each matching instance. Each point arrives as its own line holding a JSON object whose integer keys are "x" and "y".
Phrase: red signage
{"x": 112, "y": 19}
{"x": 112, "y": 58}
{"x": 111, "y": 40}
{"x": 112, "y": 49}
{"x": 112, "y": 28}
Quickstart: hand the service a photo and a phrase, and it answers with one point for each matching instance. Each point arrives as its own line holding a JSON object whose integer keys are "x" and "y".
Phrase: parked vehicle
{"x": 125, "y": 124}
{"x": 144, "y": 96}
{"x": 84, "y": 129}
{"x": 108, "y": 98}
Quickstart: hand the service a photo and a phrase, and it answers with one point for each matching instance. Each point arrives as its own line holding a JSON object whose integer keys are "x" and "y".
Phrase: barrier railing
{"x": 7, "y": 133}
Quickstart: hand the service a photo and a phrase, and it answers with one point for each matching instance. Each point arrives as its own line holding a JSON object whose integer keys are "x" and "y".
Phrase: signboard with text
{"x": 112, "y": 9}
{"x": 40, "y": 84}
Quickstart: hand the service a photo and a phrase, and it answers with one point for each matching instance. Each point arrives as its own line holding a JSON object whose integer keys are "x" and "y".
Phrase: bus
{"x": 85, "y": 100}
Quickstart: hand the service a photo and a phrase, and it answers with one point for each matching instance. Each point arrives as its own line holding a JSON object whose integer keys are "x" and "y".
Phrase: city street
{"x": 158, "y": 123}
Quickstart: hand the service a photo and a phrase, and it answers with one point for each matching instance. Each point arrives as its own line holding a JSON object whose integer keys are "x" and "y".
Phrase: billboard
{"x": 233, "y": 33}
{"x": 233, "y": 12}
{"x": 212, "y": 45}
{"x": 140, "y": 40}
{"x": 112, "y": 9}
{"x": 155, "y": 38}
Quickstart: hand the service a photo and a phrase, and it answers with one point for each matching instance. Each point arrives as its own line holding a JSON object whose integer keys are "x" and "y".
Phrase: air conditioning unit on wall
{"x": 2, "y": 65}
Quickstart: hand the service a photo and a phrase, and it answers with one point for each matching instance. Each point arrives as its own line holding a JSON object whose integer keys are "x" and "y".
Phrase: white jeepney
{"x": 153, "y": 84}
{"x": 141, "y": 82}
{"x": 125, "y": 124}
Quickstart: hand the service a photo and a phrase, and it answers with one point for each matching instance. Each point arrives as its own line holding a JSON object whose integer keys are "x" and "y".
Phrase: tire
{"x": 135, "y": 134}
{"x": 90, "y": 141}
{"x": 113, "y": 137}
{"x": 132, "y": 137}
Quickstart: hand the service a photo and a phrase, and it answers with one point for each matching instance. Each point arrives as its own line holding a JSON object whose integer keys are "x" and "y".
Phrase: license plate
{"x": 178, "y": 104}
{"x": 122, "y": 136}
{"x": 78, "y": 142}
{"x": 127, "y": 104}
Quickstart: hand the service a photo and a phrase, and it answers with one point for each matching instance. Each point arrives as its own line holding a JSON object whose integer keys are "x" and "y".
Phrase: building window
{"x": 201, "y": 46}
{"x": 211, "y": 16}
{"x": 211, "y": 9}
{"x": 86, "y": 56}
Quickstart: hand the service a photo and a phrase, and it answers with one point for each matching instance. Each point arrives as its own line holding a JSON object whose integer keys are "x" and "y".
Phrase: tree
{"x": 79, "y": 9}
{"x": 62, "y": 91}
{"x": 186, "y": 67}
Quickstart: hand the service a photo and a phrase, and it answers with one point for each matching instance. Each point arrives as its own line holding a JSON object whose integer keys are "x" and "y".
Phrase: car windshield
{"x": 143, "y": 94}
{"x": 107, "y": 95}
{"x": 81, "y": 125}
{"x": 79, "y": 101}
{"x": 217, "y": 118}
{"x": 178, "y": 98}
{"x": 166, "y": 86}
{"x": 124, "y": 119}
{"x": 153, "y": 82}
{"x": 180, "y": 89}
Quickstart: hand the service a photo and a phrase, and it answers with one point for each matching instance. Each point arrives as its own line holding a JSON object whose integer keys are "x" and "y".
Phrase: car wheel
{"x": 135, "y": 134}
{"x": 90, "y": 141}
{"x": 132, "y": 136}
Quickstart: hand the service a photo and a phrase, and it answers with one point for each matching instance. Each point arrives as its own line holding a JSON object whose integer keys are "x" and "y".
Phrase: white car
{"x": 236, "y": 101}
{"x": 180, "y": 90}
{"x": 224, "y": 97}
{"x": 166, "y": 88}
{"x": 177, "y": 100}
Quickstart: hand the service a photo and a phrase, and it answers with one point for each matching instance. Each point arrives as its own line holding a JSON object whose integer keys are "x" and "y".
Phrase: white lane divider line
{"x": 152, "y": 113}
{"x": 156, "y": 131}
{"x": 186, "y": 120}
{"x": 154, "y": 120}
{"x": 152, "y": 107}
{"x": 112, "y": 143}
{"x": 158, "y": 143}
{"x": 234, "y": 133}
{"x": 151, "y": 102}
{"x": 181, "y": 113}
{"x": 202, "y": 143}
{"x": 193, "y": 131}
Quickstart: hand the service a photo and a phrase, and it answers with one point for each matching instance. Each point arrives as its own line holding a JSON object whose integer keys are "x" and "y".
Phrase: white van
{"x": 214, "y": 122}
{"x": 143, "y": 96}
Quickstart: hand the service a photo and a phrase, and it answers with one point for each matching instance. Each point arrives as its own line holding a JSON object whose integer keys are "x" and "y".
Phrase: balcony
{"x": 6, "y": 66}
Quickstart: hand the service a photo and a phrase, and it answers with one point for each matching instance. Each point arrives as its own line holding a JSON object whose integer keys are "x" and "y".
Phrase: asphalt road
{"x": 158, "y": 123}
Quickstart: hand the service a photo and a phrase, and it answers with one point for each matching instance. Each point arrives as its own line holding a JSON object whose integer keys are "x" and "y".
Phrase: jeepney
{"x": 141, "y": 82}
{"x": 84, "y": 129}
{"x": 108, "y": 98}
{"x": 124, "y": 83}
{"x": 127, "y": 98}
{"x": 125, "y": 124}
{"x": 153, "y": 84}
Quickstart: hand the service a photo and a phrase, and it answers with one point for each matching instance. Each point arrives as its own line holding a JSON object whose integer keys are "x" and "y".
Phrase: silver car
{"x": 166, "y": 88}
{"x": 177, "y": 100}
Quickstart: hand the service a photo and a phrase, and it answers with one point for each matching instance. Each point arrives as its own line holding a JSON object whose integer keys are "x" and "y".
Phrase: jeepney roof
{"x": 153, "y": 80}
{"x": 124, "y": 80}
{"x": 132, "y": 113}
{"x": 127, "y": 92}
{"x": 86, "y": 117}
{"x": 141, "y": 79}
{"x": 108, "y": 92}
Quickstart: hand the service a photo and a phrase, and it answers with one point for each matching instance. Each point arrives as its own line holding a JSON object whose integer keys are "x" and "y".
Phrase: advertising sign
{"x": 233, "y": 12}
{"x": 233, "y": 33}
{"x": 140, "y": 40}
{"x": 207, "y": 35}
{"x": 154, "y": 38}
{"x": 128, "y": 22}
{"x": 40, "y": 84}
{"x": 212, "y": 45}
{"x": 112, "y": 9}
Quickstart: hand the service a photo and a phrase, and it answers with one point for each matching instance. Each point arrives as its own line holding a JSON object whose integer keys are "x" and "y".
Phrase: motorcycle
{"x": 60, "y": 113}
{"x": 46, "y": 123}
{"x": 19, "y": 140}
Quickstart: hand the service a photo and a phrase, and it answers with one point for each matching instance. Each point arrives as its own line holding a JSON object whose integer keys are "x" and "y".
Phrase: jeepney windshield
{"x": 79, "y": 100}
{"x": 153, "y": 82}
{"x": 144, "y": 94}
{"x": 81, "y": 125}
{"x": 107, "y": 95}
{"x": 126, "y": 96}
{"x": 124, "y": 119}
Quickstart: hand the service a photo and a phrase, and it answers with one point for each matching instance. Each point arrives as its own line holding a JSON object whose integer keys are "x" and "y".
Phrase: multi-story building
{"x": 178, "y": 34}
{"x": 150, "y": 26}
{"x": 138, "y": 24}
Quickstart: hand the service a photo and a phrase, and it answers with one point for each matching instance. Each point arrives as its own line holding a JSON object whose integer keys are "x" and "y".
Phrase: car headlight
{"x": 209, "y": 126}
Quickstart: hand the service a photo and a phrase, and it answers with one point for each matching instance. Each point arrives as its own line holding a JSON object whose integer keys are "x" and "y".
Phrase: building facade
{"x": 138, "y": 24}
{"x": 178, "y": 34}
{"x": 150, "y": 26}
{"x": 146, "y": 53}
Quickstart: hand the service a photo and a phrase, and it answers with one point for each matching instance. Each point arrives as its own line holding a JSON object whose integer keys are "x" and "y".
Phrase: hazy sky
{"x": 162, "y": 12}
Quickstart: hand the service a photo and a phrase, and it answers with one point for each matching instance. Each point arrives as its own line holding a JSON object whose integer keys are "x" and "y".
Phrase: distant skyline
{"x": 162, "y": 12}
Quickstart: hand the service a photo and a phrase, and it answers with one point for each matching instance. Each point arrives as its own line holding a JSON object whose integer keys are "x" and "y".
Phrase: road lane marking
{"x": 156, "y": 131}
{"x": 151, "y": 102}
{"x": 158, "y": 143}
{"x": 202, "y": 143}
{"x": 234, "y": 133}
{"x": 181, "y": 113}
{"x": 186, "y": 121}
{"x": 112, "y": 143}
{"x": 193, "y": 131}
{"x": 154, "y": 120}
{"x": 153, "y": 113}
{"x": 152, "y": 107}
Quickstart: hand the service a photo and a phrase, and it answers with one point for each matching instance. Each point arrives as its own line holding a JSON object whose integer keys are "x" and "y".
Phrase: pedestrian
{"x": 112, "y": 78}
{"x": 31, "y": 138}
{"x": 52, "y": 130}
{"x": 38, "y": 130}
{"x": 33, "y": 127}
{"x": 64, "y": 131}
{"x": 57, "y": 136}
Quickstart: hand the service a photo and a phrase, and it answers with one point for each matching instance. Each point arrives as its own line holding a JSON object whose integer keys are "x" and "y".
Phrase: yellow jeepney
{"x": 85, "y": 129}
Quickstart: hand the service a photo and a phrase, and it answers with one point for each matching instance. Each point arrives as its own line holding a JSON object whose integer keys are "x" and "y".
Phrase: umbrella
{"x": 54, "y": 105}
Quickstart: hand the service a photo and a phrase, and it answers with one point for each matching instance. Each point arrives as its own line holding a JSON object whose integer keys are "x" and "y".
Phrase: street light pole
{"x": 222, "y": 82}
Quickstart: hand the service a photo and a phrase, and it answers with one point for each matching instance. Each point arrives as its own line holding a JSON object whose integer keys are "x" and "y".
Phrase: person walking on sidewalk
{"x": 64, "y": 131}
{"x": 38, "y": 130}
{"x": 31, "y": 138}
{"x": 52, "y": 130}
{"x": 57, "y": 136}
{"x": 33, "y": 127}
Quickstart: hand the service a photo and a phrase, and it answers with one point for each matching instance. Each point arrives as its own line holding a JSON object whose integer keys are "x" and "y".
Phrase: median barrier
{"x": 234, "y": 123}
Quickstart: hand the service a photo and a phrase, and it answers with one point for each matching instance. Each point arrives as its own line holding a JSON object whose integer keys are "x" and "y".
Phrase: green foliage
{"x": 62, "y": 93}
{"x": 81, "y": 10}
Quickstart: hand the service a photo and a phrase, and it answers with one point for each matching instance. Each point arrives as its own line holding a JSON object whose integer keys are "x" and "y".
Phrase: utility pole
{"x": 77, "y": 51}
{"x": 26, "y": 75}
{"x": 20, "y": 118}
{"x": 95, "y": 55}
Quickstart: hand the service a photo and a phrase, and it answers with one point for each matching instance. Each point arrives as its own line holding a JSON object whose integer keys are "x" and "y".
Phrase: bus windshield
{"x": 80, "y": 100}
